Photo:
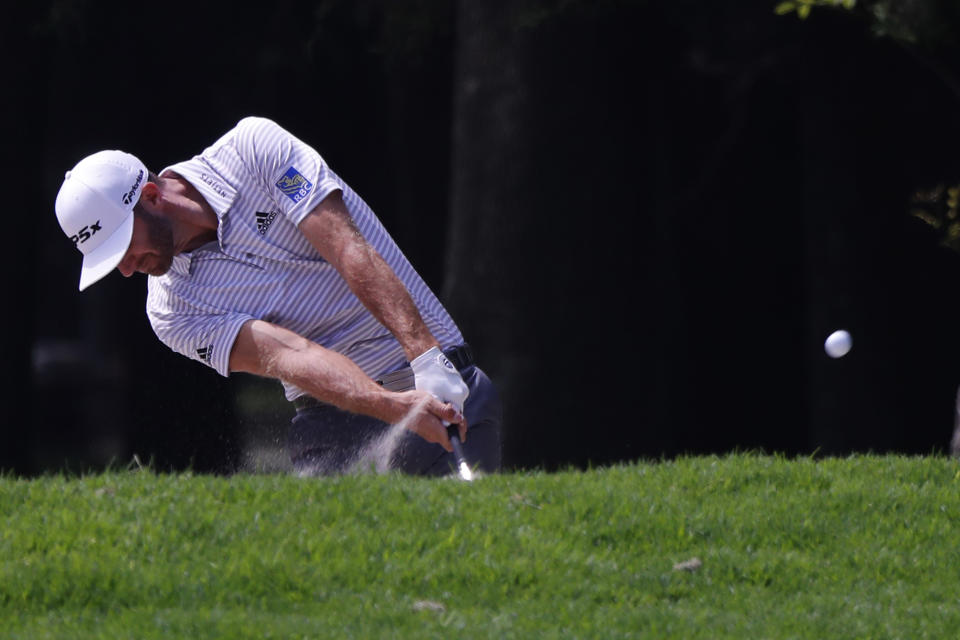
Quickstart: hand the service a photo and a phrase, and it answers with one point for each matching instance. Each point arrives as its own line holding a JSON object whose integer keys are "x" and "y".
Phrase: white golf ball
{"x": 838, "y": 344}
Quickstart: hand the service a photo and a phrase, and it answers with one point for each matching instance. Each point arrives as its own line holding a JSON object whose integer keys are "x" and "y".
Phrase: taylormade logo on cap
{"x": 95, "y": 209}
{"x": 134, "y": 190}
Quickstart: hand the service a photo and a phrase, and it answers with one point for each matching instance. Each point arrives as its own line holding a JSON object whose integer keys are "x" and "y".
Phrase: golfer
{"x": 260, "y": 259}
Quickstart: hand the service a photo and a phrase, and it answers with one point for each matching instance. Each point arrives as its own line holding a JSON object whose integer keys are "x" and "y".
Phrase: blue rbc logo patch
{"x": 293, "y": 185}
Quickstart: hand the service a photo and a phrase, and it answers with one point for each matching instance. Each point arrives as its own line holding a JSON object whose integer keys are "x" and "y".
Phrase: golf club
{"x": 462, "y": 466}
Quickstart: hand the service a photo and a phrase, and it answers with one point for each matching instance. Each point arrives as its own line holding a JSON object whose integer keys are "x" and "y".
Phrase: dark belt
{"x": 460, "y": 356}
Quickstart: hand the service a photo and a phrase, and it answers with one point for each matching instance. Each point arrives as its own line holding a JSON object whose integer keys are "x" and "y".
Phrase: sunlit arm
{"x": 331, "y": 230}
{"x": 265, "y": 349}
{"x": 271, "y": 351}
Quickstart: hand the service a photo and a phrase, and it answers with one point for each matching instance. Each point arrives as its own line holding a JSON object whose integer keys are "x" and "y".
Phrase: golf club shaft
{"x": 453, "y": 433}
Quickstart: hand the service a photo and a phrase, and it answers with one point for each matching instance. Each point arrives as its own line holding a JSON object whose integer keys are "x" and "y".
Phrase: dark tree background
{"x": 645, "y": 215}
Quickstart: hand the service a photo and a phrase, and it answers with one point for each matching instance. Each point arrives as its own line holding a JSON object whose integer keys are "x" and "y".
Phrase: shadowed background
{"x": 645, "y": 216}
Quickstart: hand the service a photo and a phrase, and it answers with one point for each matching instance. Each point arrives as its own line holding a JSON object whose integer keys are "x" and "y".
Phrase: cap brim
{"x": 108, "y": 255}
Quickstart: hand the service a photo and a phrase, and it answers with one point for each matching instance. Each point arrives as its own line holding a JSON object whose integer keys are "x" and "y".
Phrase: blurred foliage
{"x": 929, "y": 23}
{"x": 803, "y": 7}
{"x": 938, "y": 207}
{"x": 927, "y": 30}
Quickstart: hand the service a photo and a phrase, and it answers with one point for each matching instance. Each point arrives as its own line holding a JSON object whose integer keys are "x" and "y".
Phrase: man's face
{"x": 151, "y": 247}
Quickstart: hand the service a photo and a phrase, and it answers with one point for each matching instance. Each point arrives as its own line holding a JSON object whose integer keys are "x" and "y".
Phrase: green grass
{"x": 861, "y": 547}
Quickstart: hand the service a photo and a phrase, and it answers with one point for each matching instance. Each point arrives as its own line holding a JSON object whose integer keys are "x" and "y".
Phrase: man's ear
{"x": 150, "y": 195}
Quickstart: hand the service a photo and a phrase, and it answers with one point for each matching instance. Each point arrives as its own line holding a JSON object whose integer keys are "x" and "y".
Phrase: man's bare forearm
{"x": 267, "y": 350}
{"x": 332, "y": 231}
{"x": 380, "y": 290}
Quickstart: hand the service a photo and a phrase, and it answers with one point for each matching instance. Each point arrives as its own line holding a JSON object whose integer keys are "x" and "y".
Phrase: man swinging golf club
{"x": 260, "y": 259}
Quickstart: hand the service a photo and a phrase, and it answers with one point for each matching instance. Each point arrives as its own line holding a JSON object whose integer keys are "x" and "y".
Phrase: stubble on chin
{"x": 161, "y": 238}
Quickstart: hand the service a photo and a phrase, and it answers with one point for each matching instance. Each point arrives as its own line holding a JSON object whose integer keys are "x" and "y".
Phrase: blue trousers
{"x": 325, "y": 440}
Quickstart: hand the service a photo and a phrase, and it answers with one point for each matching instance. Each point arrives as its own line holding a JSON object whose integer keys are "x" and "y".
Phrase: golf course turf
{"x": 736, "y": 546}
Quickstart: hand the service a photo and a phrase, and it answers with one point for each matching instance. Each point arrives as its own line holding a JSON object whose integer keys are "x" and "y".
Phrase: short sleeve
{"x": 205, "y": 336}
{"x": 289, "y": 169}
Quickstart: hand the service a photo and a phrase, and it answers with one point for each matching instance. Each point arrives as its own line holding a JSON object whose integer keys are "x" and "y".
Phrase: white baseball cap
{"x": 95, "y": 209}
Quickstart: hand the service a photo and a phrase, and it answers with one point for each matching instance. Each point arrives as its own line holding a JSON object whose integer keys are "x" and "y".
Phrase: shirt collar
{"x": 211, "y": 185}
{"x": 218, "y": 194}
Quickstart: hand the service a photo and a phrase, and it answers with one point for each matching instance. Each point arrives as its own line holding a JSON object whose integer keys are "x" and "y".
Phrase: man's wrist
{"x": 419, "y": 348}
{"x": 425, "y": 356}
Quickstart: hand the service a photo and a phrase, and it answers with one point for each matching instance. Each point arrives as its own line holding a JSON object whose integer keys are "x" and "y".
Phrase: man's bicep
{"x": 330, "y": 229}
{"x": 259, "y": 345}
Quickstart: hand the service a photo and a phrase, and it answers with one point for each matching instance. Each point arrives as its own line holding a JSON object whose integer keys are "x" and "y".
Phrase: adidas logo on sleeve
{"x": 205, "y": 353}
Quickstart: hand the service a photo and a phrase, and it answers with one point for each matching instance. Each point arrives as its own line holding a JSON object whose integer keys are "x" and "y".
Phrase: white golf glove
{"x": 434, "y": 373}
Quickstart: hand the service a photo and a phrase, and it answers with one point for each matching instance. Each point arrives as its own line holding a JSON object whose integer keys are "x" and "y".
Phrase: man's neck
{"x": 195, "y": 222}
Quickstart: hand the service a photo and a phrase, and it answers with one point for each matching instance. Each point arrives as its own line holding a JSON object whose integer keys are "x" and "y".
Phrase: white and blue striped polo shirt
{"x": 262, "y": 182}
